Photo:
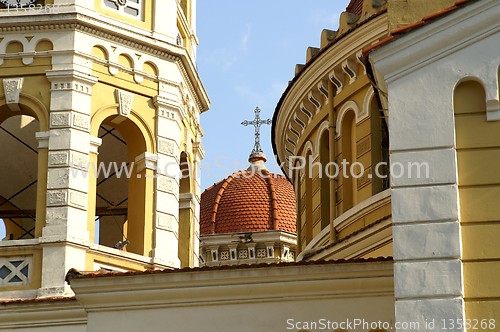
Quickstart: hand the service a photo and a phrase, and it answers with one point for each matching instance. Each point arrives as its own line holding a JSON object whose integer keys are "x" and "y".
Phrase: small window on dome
{"x": 251, "y": 252}
{"x": 214, "y": 256}
{"x": 270, "y": 251}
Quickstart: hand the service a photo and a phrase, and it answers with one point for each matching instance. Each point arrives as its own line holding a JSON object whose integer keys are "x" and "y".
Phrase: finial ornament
{"x": 257, "y": 122}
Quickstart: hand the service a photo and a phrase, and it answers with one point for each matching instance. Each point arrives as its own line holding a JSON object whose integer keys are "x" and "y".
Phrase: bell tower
{"x": 100, "y": 139}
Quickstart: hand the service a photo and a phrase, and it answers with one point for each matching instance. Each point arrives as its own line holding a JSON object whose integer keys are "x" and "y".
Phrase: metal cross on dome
{"x": 257, "y": 122}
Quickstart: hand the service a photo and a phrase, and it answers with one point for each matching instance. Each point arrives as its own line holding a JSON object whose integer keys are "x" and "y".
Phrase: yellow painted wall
{"x": 478, "y": 155}
{"x": 360, "y": 150}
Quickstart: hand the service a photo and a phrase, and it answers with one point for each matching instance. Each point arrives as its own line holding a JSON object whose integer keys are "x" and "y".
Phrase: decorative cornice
{"x": 92, "y": 26}
{"x": 328, "y": 64}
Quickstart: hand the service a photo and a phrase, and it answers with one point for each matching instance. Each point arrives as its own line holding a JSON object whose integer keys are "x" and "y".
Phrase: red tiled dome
{"x": 246, "y": 202}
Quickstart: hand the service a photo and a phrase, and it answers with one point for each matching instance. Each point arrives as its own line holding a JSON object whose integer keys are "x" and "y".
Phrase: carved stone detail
{"x": 60, "y": 120}
{"x": 167, "y": 222}
{"x": 57, "y": 197}
{"x": 58, "y": 159}
{"x": 164, "y": 113}
{"x": 337, "y": 79}
{"x": 166, "y": 185}
{"x": 12, "y": 88}
{"x": 125, "y": 100}
{"x": 167, "y": 147}
{"x": 81, "y": 121}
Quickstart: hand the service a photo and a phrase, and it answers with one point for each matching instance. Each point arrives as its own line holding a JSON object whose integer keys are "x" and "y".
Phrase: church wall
{"x": 75, "y": 80}
{"x": 316, "y": 103}
{"x": 223, "y": 300}
{"x": 442, "y": 267}
{"x": 478, "y": 161}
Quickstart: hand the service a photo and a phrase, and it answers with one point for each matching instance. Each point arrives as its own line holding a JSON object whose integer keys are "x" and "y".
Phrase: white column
{"x": 199, "y": 154}
{"x": 166, "y": 228}
{"x": 428, "y": 278}
{"x": 65, "y": 232}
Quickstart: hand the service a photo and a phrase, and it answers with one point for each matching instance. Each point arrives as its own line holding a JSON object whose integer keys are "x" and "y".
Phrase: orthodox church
{"x": 387, "y": 134}
{"x": 249, "y": 217}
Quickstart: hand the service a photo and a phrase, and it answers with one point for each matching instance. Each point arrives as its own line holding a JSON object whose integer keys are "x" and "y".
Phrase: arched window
{"x": 19, "y": 175}
{"x": 324, "y": 148}
{"x": 299, "y": 204}
{"x": 348, "y": 138}
{"x": 186, "y": 213}
{"x": 308, "y": 176}
{"x": 377, "y": 149}
{"x": 121, "y": 187}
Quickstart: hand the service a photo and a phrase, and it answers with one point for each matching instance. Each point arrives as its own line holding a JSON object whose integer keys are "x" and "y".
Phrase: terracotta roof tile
{"x": 75, "y": 274}
{"x": 424, "y": 21}
{"x": 246, "y": 202}
{"x": 39, "y": 300}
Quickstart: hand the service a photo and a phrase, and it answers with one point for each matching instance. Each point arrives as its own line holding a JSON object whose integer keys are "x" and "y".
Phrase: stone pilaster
{"x": 166, "y": 228}
{"x": 65, "y": 232}
{"x": 199, "y": 154}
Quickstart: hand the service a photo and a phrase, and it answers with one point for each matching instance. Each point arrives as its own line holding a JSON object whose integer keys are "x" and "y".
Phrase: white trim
{"x": 349, "y": 105}
{"x": 365, "y": 112}
{"x": 321, "y": 129}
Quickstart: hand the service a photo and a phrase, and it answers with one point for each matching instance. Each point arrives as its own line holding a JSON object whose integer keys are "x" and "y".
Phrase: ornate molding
{"x": 125, "y": 101}
{"x": 43, "y": 139}
{"x": 12, "y": 88}
{"x": 87, "y": 24}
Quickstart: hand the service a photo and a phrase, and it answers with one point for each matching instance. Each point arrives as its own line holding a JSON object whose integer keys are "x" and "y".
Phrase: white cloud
{"x": 246, "y": 36}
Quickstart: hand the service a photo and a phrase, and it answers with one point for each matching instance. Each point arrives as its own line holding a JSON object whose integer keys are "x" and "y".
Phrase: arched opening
{"x": 470, "y": 97}
{"x": 377, "y": 149}
{"x": 18, "y": 173}
{"x": 299, "y": 204}
{"x": 186, "y": 226}
{"x": 308, "y": 199}
{"x": 2, "y": 230}
{"x": 120, "y": 186}
{"x": 324, "y": 151}
{"x": 348, "y": 138}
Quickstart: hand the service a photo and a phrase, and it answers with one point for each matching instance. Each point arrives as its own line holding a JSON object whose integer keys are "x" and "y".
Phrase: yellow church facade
{"x": 412, "y": 248}
{"x": 329, "y": 113}
{"x": 100, "y": 114}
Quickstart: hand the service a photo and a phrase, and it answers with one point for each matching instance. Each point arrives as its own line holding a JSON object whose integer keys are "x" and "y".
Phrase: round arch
{"x": 367, "y": 104}
{"x": 29, "y": 106}
{"x": 321, "y": 129}
{"x": 22, "y": 179}
{"x": 113, "y": 110}
{"x": 348, "y": 106}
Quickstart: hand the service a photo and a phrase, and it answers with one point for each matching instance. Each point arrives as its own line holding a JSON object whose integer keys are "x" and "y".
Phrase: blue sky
{"x": 247, "y": 55}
